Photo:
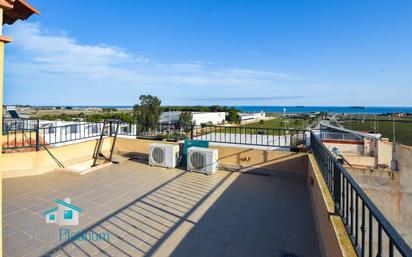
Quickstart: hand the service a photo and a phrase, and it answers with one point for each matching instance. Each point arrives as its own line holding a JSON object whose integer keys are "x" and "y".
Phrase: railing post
{"x": 336, "y": 187}
{"x": 37, "y": 136}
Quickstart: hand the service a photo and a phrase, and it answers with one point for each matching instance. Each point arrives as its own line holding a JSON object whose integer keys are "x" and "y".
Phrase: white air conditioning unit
{"x": 204, "y": 160}
{"x": 164, "y": 155}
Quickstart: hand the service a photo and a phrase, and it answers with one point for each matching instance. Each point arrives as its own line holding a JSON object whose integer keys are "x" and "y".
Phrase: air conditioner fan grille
{"x": 197, "y": 160}
{"x": 158, "y": 155}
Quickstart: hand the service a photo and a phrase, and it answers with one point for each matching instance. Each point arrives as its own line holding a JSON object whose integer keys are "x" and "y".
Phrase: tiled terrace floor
{"x": 159, "y": 212}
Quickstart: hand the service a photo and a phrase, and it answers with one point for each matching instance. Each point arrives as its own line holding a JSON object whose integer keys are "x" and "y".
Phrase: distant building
{"x": 208, "y": 117}
{"x": 400, "y": 115}
{"x": 10, "y": 111}
{"x": 199, "y": 118}
{"x": 169, "y": 117}
{"x": 12, "y": 119}
{"x": 250, "y": 116}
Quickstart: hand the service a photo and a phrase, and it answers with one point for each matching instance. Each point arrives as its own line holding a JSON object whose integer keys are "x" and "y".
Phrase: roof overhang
{"x": 14, "y": 10}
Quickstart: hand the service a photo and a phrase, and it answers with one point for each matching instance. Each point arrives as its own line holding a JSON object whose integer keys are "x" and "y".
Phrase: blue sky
{"x": 212, "y": 52}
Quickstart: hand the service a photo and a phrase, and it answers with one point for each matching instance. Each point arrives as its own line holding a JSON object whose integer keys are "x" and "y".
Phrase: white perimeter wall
{"x": 205, "y": 117}
{"x": 198, "y": 117}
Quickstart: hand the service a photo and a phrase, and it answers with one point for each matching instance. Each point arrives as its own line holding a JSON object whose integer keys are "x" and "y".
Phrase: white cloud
{"x": 48, "y": 53}
{"x": 59, "y": 54}
{"x": 53, "y": 61}
{"x": 45, "y": 67}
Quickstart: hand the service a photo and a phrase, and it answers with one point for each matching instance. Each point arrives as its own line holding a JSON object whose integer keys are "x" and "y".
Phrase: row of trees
{"x": 96, "y": 117}
{"x": 147, "y": 114}
{"x": 198, "y": 108}
{"x": 149, "y": 109}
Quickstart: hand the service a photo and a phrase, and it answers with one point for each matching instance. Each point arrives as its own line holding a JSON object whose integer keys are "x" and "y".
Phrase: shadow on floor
{"x": 255, "y": 216}
{"x": 227, "y": 214}
{"x": 141, "y": 226}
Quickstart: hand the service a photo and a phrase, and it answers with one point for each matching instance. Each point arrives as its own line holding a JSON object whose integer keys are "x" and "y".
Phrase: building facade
{"x": 199, "y": 118}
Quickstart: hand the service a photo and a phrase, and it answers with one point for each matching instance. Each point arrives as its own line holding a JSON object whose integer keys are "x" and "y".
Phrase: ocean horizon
{"x": 300, "y": 109}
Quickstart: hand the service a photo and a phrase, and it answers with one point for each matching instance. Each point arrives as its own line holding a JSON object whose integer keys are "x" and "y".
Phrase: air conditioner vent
{"x": 158, "y": 155}
{"x": 164, "y": 155}
{"x": 204, "y": 160}
{"x": 197, "y": 160}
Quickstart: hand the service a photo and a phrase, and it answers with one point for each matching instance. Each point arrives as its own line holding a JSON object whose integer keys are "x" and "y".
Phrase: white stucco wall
{"x": 252, "y": 115}
{"x": 198, "y": 117}
{"x": 205, "y": 117}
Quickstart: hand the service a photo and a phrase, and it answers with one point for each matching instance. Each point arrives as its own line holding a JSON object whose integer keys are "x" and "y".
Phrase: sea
{"x": 329, "y": 109}
{"x": 309, "y": 109}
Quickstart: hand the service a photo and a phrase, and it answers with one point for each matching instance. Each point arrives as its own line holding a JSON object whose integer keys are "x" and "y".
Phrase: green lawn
{"x": 248, "y": 131}
{"x": 269, "y": 127}
{"x": 278, "y": 124}
{"x": 403, "y": 130}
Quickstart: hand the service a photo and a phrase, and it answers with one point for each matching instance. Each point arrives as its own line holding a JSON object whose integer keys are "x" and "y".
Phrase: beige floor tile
{"x": 155, "y": 211}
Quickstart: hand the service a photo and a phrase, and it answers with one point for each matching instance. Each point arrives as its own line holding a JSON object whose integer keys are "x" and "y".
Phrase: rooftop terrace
{"x": 156, "y": 211}
{"x": 263, "y": 202}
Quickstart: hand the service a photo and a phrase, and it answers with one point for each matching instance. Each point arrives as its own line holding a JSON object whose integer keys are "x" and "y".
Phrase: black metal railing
{"x": 35, "y": 135}
{"x": 15, "y": 139}
{"x": 67, "y": 133}
{"x": 19, "y": 132}
{"x": 270, "y": 137}
{"x": 370, "y": 232}
{"x": 161, "y": 132}
{"x": 10, "y": 124}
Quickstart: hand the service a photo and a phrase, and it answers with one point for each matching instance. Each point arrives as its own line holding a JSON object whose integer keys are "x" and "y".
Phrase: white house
{"x": 65, "y": 214}
{"x": 206, "y": 117}
{"x": 248, "y": 116}
{"x": 198, "y": 117}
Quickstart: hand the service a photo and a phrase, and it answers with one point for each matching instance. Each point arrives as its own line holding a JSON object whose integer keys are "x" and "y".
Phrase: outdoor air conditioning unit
{"x": 164, "y": 155}
{"x": 201, "y": 159}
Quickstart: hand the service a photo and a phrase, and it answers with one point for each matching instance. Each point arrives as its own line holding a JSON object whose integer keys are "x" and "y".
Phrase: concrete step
{"x": 85, "y": 167}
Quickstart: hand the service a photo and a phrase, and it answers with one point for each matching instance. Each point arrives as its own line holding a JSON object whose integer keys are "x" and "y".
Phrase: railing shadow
{"x": 255, "y": 216}
{"x": 141, "y": 226}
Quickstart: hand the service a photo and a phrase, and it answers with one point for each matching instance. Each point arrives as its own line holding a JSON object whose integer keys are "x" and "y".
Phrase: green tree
{"x": 94, "y": 118}
{"x": 109, "y": 110}
{"x": 213, "y": 108}
{"x": 148, "y": 111}
{"x": 125, "y": 117}
{"x": 186, "y": 121}
{"x": 233, "y": 116}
